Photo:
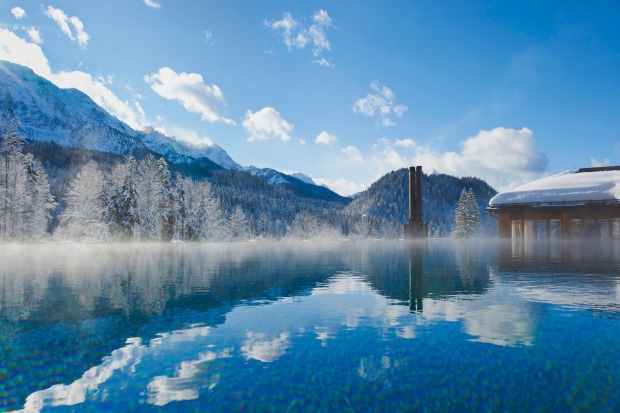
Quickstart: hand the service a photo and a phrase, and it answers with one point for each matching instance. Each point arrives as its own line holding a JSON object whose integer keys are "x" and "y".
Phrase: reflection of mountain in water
{"x": 63, "y": 308}
{"x": 66, "y": 307}
{"x": 438, "y": 267}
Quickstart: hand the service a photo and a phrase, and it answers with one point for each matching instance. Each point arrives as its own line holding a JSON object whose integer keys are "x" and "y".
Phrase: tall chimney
{"x": 412, "y": 195}
{"x": 418, "y": 195}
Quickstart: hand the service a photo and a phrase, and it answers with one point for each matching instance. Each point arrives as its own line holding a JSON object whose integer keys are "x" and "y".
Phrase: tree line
{"x": 138, "y": 198}
{"x": 141, "y": 200}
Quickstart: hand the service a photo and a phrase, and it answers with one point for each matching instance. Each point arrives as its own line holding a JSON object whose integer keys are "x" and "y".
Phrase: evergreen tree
{"x": 473, "y": 215}
{"x": 36, "y": 213}
{"x": 155, "y": 200}
{"x": 238, "y": 223}
{"x": 25, "y": 198}
{"x": 164, "y": 201}
{"x": 466, "y": 217}
{"x": 84, "y": 217}
{"x": 123, "y": 216}
{"x": 146, "y": 190}
{"x": 12, "y": 177}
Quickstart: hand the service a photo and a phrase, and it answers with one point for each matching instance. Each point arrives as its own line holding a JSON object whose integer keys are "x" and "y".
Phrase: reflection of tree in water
{"x": 64, "y": 308}
{"x": 467, "y": 262}
{"x": 474, "y": 273}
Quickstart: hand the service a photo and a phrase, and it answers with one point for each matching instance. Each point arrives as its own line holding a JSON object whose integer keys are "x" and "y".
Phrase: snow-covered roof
{"x": 570, "y": 187}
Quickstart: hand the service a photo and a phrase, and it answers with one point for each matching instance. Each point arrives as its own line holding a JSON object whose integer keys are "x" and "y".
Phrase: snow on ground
{"x": 565, "y": 187}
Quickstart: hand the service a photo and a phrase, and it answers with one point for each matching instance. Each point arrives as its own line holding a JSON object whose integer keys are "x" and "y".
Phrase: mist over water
{"x": 379, "y": 326}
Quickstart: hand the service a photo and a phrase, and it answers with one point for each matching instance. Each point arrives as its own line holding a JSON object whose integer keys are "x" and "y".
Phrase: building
{"x": 415, "y": 228}
{"x": 582, "y": 204}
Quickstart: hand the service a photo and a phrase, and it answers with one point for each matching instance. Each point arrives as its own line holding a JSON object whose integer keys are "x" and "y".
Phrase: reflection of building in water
{"x": 433, "y": 275}
{"x": 493, "y": 313}
{"x": 583, "y": 204}
{"x": 416, "y": 291}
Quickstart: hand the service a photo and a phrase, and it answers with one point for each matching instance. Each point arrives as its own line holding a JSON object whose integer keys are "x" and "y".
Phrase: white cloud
{"x": 34, "y": 35}
{"x": 152, "y": 4}
{"x": 597, "y": 164}
{"x": 191, "y": 91}
{"x": 342, "y": 186}
{"x": 80, "y": 33}
{"x": 325, "y": 138}
{"x": 323, "y": 62}
{"x": 17, "y": 50}
{"x": 406, "y": 143}
{"x": 503, "y": 157}
{"x": 296, "y": 36}
{"x": 187, "y": 135}
{"x": 380, "y": 103}
{"x": 189, "y": 378}
{"x": 63, "y": 21}
{"x": 257, "y": 346}
{"x": 321, "y": 22}
{"x": 130, "y": 113}
{"x": 353, "y": 153}
{"x": 287, "y": 26}
{"x": 208, "y": 37}
{"x": 18, "y": 12}
{"x": 504, "y": 149}
{"x": 265, "y": 124}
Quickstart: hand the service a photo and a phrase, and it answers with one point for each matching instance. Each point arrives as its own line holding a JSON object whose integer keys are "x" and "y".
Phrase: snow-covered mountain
{"x": 181, "y": 152}
{"x": 71, "y": 118}
{"x": 303, "y": 177}
{"x": 66, "y": 116}
{"x": 272, "y": 176}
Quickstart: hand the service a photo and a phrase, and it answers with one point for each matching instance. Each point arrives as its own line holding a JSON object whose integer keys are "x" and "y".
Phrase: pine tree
{"x": 155, "y": 200}
{"x": 122, "y": 196}
{"x": 146, "y": 190}
{"x": 25, "y": 198}
{"x": 12, "y": 177}
{"x": 466, "y": 217}
{"x": 238, "y": 223}
{"x": 473, "y": 214}
{"x": 164, "y": 201}
{"x": 36, "y": 213}
{"x": 84, "y": 217}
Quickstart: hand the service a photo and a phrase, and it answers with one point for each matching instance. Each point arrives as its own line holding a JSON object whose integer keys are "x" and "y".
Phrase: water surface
{"x": 334, "y": 326}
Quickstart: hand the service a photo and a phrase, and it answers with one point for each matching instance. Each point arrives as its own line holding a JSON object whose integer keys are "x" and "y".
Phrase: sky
{"x": 345, "y": 91}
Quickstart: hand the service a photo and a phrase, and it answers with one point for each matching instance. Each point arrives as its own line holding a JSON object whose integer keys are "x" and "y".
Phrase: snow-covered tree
{"x": 12, "y": 177}
{"x": 307, "y": 225}
{"x": 198, "y": 215}
{"x": 238, "y": 224}
{"x": 84, "y": 217}
{"x": 146, "y": 189}
{"x": 36, "y": 212}
{"x": 263, "y": 226}
{"x": 25, "y": 198}
{"x": 164, "y": 201}
{"x": 122, "y": 199}
{"x": 467, "y": 217}
{"x": 155, "y": 200}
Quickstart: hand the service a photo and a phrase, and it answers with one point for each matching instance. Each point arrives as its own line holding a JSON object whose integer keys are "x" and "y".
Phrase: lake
{"x": 382, "y": 326}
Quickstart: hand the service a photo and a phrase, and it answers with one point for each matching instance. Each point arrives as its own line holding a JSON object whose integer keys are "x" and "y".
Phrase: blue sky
{"x": 346, "y": 91}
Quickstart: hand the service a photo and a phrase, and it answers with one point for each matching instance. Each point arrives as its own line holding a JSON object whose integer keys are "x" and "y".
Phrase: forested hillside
{"x": 80, "y": 194}
{"x": 386, "y": 203}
